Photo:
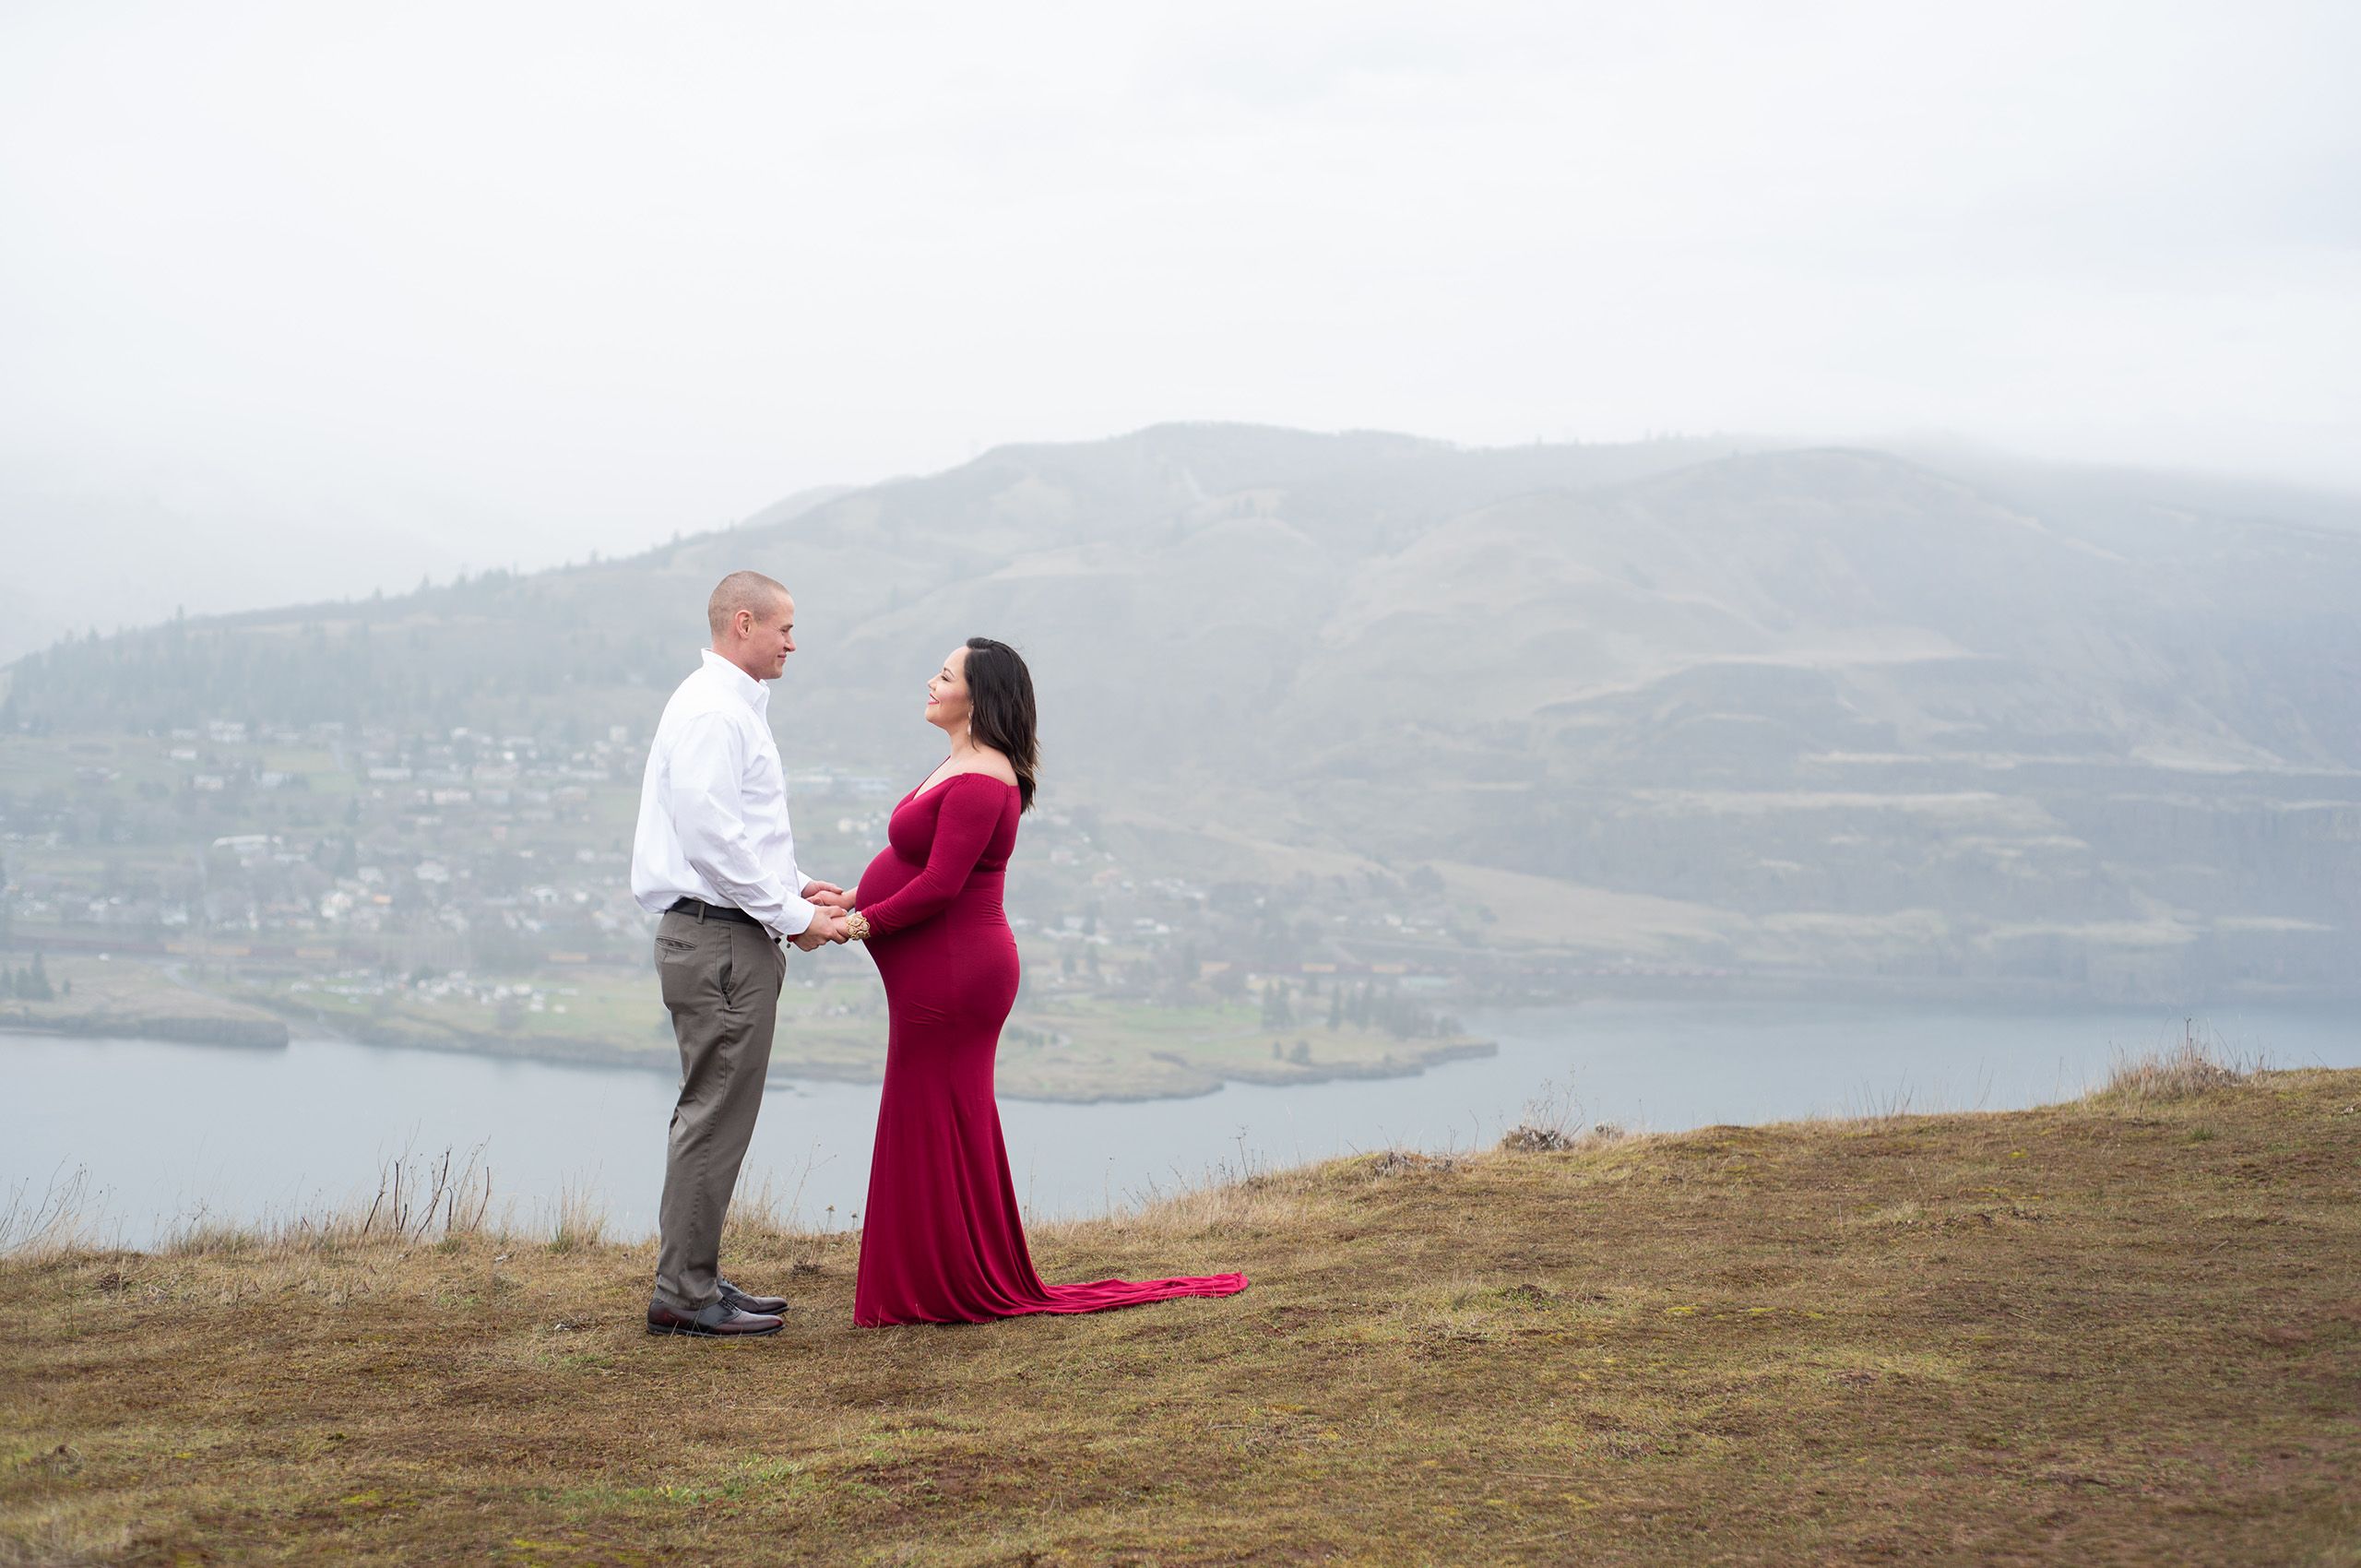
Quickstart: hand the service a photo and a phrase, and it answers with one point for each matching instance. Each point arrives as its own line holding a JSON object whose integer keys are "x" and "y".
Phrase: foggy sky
{"x": 516, "y": 282}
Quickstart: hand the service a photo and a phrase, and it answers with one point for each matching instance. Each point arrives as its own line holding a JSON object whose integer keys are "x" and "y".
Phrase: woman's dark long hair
{"x": 1000, "y": 690}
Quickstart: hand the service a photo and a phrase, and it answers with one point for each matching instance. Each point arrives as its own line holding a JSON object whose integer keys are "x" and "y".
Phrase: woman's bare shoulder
{"x": 984, "y": 763}
{"x": 994, "y": 765}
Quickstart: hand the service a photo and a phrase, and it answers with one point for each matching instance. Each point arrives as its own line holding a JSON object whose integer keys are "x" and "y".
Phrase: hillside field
{"x": 2125, "y": 1329}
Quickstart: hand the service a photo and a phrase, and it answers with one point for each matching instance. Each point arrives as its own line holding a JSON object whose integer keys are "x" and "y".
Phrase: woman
{"x": 940, "y": 1241}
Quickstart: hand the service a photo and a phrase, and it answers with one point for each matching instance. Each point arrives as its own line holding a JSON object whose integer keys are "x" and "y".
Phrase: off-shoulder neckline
{"x": 945, "y": 782}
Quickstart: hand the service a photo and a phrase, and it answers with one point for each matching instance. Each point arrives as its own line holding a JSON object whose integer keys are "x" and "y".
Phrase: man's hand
{"x": 827, "y": 925}
{"x": 826, "y": 894}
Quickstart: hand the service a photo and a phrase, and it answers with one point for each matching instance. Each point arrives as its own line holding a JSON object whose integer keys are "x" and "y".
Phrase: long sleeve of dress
{"x": 963, "y": 826}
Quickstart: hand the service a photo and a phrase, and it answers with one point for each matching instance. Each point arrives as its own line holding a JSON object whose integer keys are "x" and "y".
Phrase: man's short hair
{"x": 742, "y": 590}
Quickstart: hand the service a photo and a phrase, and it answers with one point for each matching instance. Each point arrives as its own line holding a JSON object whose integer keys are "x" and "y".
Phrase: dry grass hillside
{"x": 2126, "y": 1329}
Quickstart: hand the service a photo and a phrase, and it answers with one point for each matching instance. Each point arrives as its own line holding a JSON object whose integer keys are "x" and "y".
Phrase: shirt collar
{"x": 744, "y": 687}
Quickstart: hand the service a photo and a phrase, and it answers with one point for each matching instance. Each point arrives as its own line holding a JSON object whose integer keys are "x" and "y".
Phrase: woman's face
{"x": 947, "y": 703}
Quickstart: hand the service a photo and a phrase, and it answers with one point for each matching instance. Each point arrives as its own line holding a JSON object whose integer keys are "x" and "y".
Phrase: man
{"x": 714, "y": 855}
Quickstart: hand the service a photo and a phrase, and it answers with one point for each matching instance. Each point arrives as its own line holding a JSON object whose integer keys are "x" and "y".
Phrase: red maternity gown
{"x": 940, "y": 1241}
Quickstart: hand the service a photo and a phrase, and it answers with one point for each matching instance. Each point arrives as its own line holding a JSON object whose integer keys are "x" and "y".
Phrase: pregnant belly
{"x": 883, "y": 877}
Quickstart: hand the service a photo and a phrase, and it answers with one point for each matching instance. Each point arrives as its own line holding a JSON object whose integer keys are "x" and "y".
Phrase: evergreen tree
{"x": 1335, "y": 1006}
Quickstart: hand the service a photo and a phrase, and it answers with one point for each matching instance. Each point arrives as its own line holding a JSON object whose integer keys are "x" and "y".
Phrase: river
{"x": 167, "y": 1133}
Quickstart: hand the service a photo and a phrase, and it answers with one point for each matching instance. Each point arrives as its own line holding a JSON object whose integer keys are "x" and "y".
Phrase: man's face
{"x": 767, "y": 641}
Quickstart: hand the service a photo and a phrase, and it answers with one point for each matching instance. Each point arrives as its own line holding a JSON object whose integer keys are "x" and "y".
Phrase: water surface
{"x": 169, "y": 1132}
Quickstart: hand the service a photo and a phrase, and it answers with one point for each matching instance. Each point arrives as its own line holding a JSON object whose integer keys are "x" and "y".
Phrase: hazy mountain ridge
{"x": 1803, "y": 687}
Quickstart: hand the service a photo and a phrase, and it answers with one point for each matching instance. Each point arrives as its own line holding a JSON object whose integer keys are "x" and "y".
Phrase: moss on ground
{"x": 2121, "y": 1330}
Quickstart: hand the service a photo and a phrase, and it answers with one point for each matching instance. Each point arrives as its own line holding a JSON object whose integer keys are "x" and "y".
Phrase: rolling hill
{"x": 1837, "y": 708}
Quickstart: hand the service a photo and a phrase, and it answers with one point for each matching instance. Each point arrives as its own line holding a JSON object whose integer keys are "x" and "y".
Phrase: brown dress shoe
{"x": 718, "y": 1320}
{"x": 746, "y": 1302}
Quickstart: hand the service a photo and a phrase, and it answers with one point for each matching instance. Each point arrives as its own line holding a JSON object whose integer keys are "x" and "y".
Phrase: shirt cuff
{"x": 794, "y": 918}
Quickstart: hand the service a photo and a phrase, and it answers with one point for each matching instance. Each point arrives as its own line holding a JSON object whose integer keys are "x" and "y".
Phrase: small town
{"x": 469, "y": 890}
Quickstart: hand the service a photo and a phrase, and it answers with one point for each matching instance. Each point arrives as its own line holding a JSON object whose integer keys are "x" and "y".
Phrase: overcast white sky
{"x": 533, "y": 279}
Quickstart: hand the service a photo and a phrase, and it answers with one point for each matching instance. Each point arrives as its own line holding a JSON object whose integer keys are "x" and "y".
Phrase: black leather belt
{"x": 704, "y": 911}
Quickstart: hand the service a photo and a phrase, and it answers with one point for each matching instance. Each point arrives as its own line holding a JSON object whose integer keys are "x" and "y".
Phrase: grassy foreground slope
{"x": 2125, "y": 1329}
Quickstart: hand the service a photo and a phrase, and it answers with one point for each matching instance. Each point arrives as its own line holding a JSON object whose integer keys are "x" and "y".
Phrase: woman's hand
{"x": 826, "y": 894}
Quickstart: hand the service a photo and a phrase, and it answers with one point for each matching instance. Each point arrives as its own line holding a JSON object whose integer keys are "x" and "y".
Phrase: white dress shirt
{"x": 713, "y": 804}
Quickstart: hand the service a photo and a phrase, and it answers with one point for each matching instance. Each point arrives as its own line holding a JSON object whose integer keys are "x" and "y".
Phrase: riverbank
{"x": 2116, "y": 1329}
{"x": 100, "y": 997}
{"x": 1158, "y": 1076}
{"x": 1062, "y": 1048}
{"x": 1066, "y": 1048}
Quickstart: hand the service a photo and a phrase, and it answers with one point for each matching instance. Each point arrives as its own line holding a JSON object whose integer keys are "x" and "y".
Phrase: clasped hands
{"x": 829, "y": 921}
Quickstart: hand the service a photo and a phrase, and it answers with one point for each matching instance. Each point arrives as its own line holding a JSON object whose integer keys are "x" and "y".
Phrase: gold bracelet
{"x": 857, "y": 926}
